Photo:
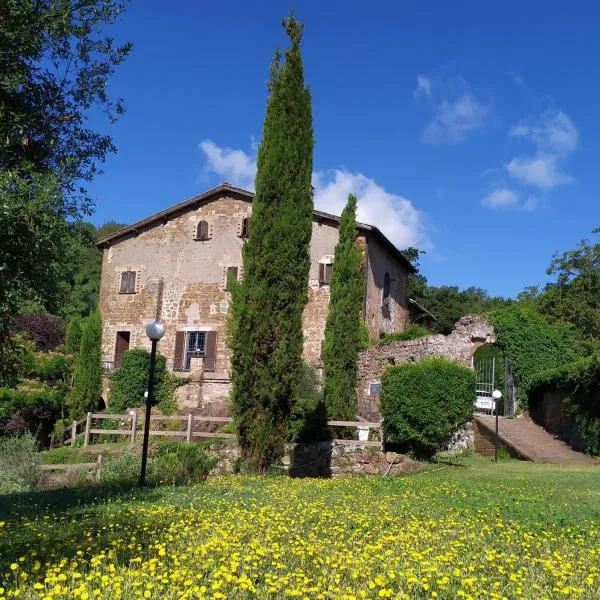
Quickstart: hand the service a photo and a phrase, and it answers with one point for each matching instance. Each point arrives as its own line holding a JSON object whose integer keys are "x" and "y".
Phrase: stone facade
{"x": 469, "y": 333}
{"x": 181, "y": 280}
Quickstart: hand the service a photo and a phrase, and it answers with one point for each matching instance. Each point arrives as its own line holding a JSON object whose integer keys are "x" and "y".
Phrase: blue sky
{"x": 469, "y": 129}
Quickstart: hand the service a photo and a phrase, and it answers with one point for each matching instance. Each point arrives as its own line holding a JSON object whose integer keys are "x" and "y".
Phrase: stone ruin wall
{"x": 469, "y": 333}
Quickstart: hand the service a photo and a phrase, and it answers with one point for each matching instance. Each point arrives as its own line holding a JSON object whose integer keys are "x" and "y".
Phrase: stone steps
{"x": 532, "y": 442}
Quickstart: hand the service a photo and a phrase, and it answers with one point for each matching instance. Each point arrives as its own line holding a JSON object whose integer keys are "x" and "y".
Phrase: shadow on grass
{"x": 59, "y": 523}
{"x": 313, "y": 458}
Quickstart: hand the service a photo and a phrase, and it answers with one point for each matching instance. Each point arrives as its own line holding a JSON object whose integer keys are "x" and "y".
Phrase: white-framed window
{"x": 325, "y": 270}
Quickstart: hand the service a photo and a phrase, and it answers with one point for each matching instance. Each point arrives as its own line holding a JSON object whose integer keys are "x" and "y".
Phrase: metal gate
{"x": 490, "y": 374}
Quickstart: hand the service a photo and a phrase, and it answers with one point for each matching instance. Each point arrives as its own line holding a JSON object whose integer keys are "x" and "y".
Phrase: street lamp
{"x": 154, "y": 331}
{"x": 496, "y": 395}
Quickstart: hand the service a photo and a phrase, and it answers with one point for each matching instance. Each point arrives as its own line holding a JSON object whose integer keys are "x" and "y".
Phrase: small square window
{"x": 374, "y": 389}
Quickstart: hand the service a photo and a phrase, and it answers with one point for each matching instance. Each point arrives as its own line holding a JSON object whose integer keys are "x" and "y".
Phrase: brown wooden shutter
{"x": 178, "y": 360}
{"x": 321, "y": 273}
{"x": 210, "y": 358}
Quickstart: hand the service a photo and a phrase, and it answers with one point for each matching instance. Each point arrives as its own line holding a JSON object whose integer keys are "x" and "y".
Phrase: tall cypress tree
{"x": 342, "y": 331}
{"x": 87, "y": 377}
{"x": 266, "y": 335}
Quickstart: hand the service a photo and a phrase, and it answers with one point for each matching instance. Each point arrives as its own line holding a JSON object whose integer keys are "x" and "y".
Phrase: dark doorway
{"x": 121, "y": 346}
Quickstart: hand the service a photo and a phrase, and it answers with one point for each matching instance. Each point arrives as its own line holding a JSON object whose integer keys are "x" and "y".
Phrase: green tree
{"x": 55, "y": 63}
{"x": 87, "y": 377}
{"x": 342, "y": 330}
{"x": 73, "y": 335}
{"x": 574, "y": 295}
{"x": 266, "y": 326}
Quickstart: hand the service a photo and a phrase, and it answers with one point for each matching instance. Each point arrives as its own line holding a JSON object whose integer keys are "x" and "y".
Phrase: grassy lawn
{"x": 478, "y": 531}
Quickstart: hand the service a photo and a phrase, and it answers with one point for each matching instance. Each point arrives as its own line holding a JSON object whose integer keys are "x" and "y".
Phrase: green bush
{"x": 31, "y": 411}
{"x": 53, "y": 368}
{"x": 73, "y": 335}
{"x": 425, "y": 403}
{"x": 130, "y": 381}
{"x": 363, "y": 334}
{"x": 580, "y": 382}
{"x": 124, "y": 469}
{"x": 532, "y": 344}
{"x": 65, "y": 455}
{"x": 181, "y": 463}
{"x": 87, "y": 378}
{"x": 19, "y": 462}
{"x": 412, "y": 333}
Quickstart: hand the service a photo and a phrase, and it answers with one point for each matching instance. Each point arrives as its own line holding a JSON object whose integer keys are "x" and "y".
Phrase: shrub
{"x": 65, "y": 455}
{"x": 425, "y": 403}
{"x": 53, "y": 368}
{"x": 44, "y": 329}
{"x": 580, "y": 382}
{"x": 532, "y": 344}
{"x": 87, "y": 378}
{"x": 130, "y": 381}
{"x": 181, "y": 463}
{"x": 412, "y": 333}
{"x": 363, "y": 334}
{"x": 73, "y": 335}
{"x": 31, "y": 411}
{"x": 123, "y": 469}
{"x": 19, "y": 465}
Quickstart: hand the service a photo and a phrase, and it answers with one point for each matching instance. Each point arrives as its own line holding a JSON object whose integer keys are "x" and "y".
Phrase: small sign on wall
{"x": 375, "y": 389}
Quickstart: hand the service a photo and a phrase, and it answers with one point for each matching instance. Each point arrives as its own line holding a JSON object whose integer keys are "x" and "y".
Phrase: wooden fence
{"x": 130, "y": 426}
{"x": 94, "y": 466}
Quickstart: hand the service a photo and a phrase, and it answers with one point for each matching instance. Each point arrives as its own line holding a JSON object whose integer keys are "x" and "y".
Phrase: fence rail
{"x": 190, "y": 432}
{"x": 94, "y": 466}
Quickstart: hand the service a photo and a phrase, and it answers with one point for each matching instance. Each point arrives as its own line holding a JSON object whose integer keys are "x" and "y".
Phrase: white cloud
{"x": 455, "y": 119}
{"x": 555, "y": 137}
{"x": 553, "y": 133}
{"x": 394, "y": 215}
{"x": 501, "y": 198}
{"x": 235, "y": 166}
{"x": 532, "y": 203}
{"x": 540, "y": 172}
{"x": 423, "y": 87}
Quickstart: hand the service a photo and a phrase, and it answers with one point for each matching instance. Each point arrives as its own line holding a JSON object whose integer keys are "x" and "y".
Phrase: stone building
{"x": 173, "y": 266}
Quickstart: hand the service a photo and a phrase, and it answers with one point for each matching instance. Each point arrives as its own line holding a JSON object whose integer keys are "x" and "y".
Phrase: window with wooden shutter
{"x": 245, "y": 229}
{"x": 179, "y": 357}
{"x": 385, "y": 296}
{"x": 210, "y": 357}
{"x": 128, "y": 281}
{"x": 203, "y": 231}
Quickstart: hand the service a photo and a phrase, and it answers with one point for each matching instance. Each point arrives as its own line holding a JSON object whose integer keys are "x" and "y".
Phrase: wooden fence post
{"x": 88, "y": 426}
{"x": 133, "y": 427}
{"x": 99, "y": 469}
{"x": 188, "y": 436}
{"x": 73, "y": 433}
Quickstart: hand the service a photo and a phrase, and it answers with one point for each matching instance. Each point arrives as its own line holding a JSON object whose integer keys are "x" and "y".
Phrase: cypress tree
{"x": 266, "y": 335}
{"x": 342, "y": 330}
{"x": 87, "y": 377}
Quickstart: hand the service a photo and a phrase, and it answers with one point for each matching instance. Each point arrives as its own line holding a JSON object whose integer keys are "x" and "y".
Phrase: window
{"x": 245, "y": 230}
{"x": 121, "y": 345}
{"x": 202, "y": 231}
{"x": 385, "y": 301}
{"x": 190, "y": 344}
{"x": 375, "y": 389}
{"x": 127, "y": 282}
{"x": 325, "y": 270}
{"x": 233, "y": 271}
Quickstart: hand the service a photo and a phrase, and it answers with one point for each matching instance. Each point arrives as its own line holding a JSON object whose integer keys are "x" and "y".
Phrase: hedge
{"x": 425, "y": 403}
{"x": 580, "y": 382}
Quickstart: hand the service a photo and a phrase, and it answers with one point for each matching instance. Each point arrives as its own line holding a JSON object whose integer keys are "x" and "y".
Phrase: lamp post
{"x": 154, "y": 331}
{"x": 496, "y": 395}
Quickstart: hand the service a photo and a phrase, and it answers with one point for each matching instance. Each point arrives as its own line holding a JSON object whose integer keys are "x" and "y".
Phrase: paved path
{"x": 533, "y": 442}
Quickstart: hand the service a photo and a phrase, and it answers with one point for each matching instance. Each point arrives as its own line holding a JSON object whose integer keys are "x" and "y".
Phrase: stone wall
{"x": 469, "y": 333}
{"x": 324, "y": 459}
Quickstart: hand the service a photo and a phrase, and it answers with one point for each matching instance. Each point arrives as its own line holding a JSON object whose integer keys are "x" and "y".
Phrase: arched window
{"x": 385, "y": 299}
{"x": 202, "y": 230}
{"x": 245, "y": 227}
